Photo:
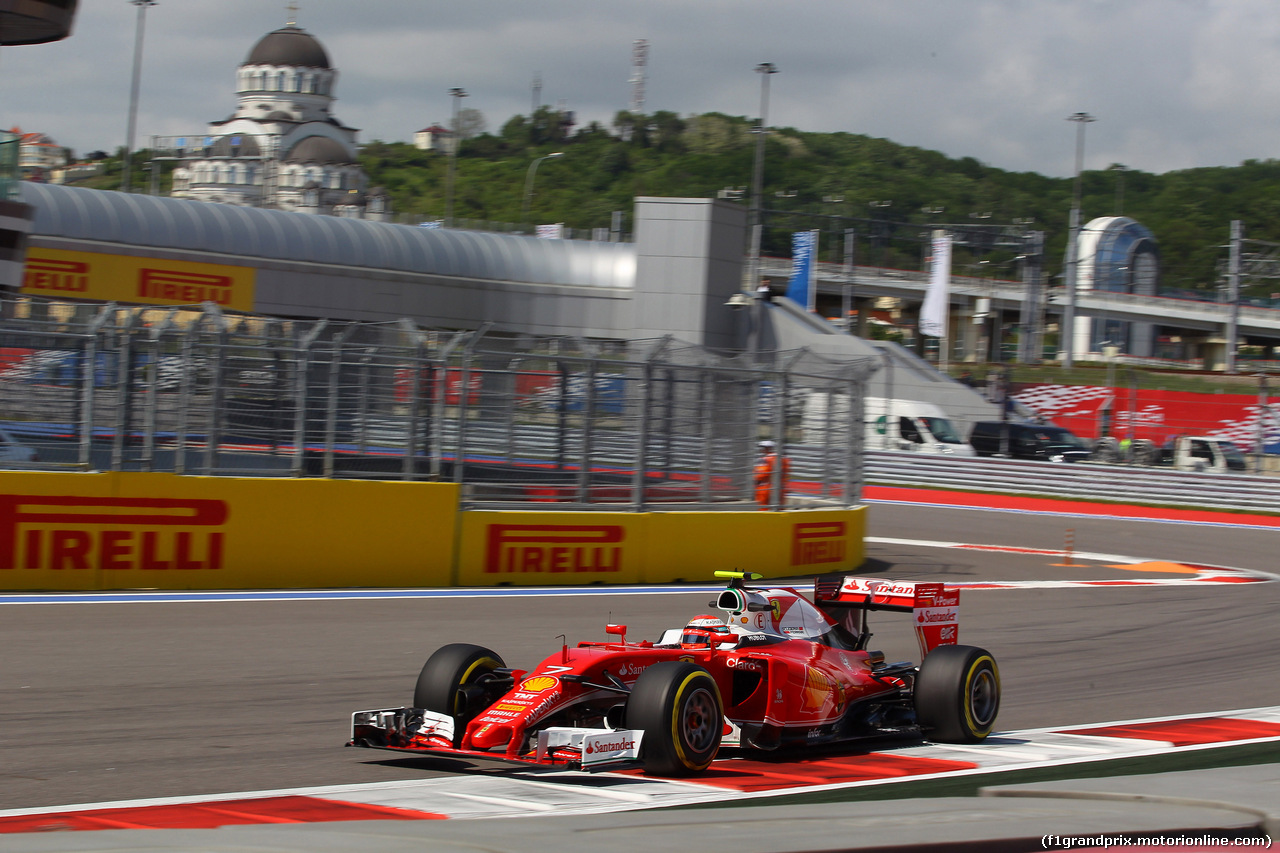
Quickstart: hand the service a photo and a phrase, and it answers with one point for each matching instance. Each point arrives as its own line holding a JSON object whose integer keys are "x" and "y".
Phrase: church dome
{"x": 318, "y": 149}
{"x": 237, "y": 145}
{"x": 291, "y": 46}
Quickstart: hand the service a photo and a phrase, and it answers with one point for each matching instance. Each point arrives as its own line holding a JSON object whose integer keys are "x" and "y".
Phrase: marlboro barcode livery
{"x": 774, "y": 669}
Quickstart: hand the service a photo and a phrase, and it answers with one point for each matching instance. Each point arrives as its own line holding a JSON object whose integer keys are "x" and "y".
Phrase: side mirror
{"x": 617, "y": 631}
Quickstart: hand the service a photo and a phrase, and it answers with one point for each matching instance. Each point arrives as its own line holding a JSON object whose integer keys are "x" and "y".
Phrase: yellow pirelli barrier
{"x": 66, "y": 531}
{"x": 75, "y": 531}
{"x": 59, "y": 273}
{"x": 692, "y": 546}
{"x": 550, "y": 548}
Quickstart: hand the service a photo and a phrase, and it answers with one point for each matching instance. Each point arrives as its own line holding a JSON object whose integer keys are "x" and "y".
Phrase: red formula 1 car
{"x": 775, "y": 670}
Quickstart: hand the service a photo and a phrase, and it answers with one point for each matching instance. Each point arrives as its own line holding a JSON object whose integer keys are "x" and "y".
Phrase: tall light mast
{"x": 639, "y": 59}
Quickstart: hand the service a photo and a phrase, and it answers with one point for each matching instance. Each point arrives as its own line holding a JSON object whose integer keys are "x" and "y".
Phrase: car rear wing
{"x": 934, "y": 608}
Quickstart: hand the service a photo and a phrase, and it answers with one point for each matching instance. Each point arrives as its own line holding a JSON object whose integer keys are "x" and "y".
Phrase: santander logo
{"x": 610, "y": 746}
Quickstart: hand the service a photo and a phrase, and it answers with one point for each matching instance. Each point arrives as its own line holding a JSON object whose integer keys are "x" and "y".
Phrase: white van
{"x": 891, "y": 424}
{"x": 911, "y": 425}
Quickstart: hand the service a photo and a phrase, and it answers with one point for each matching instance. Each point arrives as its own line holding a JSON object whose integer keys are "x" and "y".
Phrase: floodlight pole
{"x": 765, "y": 70}
{"x": 454, "y": 142}
{"x": 1068, "y": 333}
{"x": 133, "y": 93}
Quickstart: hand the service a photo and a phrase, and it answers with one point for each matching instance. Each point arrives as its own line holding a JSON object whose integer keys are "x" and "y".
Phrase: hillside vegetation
{"x": 830, "y": 181}
{"x": 888, "y": 193}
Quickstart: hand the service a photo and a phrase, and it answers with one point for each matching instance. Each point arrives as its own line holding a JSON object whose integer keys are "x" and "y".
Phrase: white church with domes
{"x": 282, "y": 148}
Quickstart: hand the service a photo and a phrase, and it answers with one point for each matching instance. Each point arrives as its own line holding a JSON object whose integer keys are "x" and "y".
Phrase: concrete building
{"x": 283, "y": 147}
{"x": 1116, "y": 255}
{"x": 38, "y": 155}
{"x": 434, "y": 138}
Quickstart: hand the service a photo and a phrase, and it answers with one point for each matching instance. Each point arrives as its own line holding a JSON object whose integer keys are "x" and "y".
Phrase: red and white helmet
{"x": 700, "y": 630}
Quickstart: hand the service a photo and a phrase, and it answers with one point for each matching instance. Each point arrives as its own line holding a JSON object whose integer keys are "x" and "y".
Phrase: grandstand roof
{"x": 169, "y": 223}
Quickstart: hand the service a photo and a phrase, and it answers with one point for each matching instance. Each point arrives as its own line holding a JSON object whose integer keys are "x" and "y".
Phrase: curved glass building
{"x": 1119, "y": 255}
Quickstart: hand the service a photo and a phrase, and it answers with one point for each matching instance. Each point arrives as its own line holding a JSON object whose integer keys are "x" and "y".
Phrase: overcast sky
{"x": 1173, "y": 84}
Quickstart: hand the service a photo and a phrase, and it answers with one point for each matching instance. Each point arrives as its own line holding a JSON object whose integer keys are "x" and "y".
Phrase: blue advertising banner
{"x": 804, "y": 248}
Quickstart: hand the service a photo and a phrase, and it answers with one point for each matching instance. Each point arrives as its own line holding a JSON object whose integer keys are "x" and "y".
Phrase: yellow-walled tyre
{"x": 452, "y": 682}
{"x": 678, "y": 707}
{"x": 957, "y": 694}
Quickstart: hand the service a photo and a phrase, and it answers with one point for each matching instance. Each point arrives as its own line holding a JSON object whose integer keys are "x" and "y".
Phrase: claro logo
{"x": 554, "y": 548}
{"x": 817, "y": 542}
{"x": 185, "y": 287}
{"x": 110, "y": 534}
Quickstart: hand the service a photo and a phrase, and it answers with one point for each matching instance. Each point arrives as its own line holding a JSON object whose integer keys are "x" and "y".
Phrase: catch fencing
{"x": 517, "y": 420}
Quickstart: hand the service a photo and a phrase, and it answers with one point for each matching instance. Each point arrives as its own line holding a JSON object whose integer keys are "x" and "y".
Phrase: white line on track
{"x": 212, "y": 596}
{"x": 1058, "y": 513}
{"x": 521, "y": 794}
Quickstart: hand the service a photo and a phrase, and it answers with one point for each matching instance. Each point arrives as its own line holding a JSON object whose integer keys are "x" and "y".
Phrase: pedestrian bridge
{"x": 1008, "y": 296}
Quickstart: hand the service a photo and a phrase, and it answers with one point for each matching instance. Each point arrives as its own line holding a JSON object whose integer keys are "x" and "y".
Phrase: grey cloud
{"x": 1174, "y": 83}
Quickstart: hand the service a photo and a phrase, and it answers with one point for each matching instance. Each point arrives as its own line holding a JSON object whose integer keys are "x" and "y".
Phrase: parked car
{"x": 1202, "y": 453}
{"x": 890, "y": 424}
{"x": 1027, "y": 441}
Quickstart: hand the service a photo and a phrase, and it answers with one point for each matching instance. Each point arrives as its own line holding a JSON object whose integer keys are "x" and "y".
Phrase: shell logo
{"x": 539, "y": 684}
{"x": 818, "y": 690}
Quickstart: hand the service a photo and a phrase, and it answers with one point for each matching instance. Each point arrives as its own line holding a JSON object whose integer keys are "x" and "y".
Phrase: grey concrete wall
{"x": 15, "y": 224}
{"x": 689, "y": 254}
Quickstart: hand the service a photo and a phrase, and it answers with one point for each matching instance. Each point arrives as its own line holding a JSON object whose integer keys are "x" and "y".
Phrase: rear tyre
{"x": 957, "y": 694}
{"x": 678, "y": 707}
{"x": 453, "y": 682}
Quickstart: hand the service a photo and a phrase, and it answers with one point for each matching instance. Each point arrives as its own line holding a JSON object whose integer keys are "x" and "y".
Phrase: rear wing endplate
{"x": 935, "y": 609}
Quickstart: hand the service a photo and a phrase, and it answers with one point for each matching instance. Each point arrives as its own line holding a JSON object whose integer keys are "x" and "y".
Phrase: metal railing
{"x": 512, "y": 418}
{"x": 1131, "y": 484}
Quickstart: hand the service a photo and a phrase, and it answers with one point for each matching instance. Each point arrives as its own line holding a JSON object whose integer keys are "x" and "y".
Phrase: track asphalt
{"x": 1198, "y": 809}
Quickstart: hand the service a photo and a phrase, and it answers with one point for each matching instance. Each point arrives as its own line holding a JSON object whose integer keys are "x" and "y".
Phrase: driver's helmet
{"x": 700, "y": 630}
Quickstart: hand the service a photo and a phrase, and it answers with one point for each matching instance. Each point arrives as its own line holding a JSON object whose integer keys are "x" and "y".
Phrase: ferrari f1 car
{"x": 774, "y": 670}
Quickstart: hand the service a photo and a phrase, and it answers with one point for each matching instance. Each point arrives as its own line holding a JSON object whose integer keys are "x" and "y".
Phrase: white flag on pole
{"x": 937, "y": 299}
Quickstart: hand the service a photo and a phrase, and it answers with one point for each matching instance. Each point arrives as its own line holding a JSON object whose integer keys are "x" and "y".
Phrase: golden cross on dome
{"x": 293, "y": 13}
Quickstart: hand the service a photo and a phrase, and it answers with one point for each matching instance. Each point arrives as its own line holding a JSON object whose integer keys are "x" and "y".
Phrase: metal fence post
{"x": 856, "y": 466}
{"x": 218, "y": 390}
{"x": 408, "y": 466}
{"x": 706, "y": 408}
{"x": 331, "y": 413}
{"x": 362, "y": 402}
{"x": 828, "y": 434}
{"x": 588, "y": 434}
{"x": 439, "y": 397}
{"x": 464, "y": 394}
{"x": 777, "y": 495}
{"x": 1264, "y": 409}
{"x": 642, "y": 438}
{"x": 562, "y": 414}
{"x": 302, "y": 362}
{"x": 90, "y": 375}
{"x": 153, "y": 392}
{"x": 513, "y": 367}
{"x": 124, "y": 381}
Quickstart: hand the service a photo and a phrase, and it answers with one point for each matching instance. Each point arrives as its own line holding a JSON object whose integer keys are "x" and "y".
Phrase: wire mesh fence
{"x": 515, "y": 419}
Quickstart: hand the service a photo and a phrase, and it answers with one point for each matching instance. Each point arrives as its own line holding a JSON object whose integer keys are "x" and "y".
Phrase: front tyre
{"x": 455, "y": 681}
{"x": 678, "y": 707}
{"x": 957, "y": 694}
